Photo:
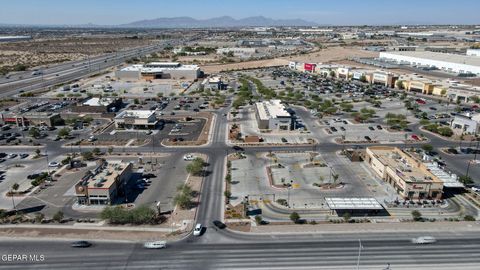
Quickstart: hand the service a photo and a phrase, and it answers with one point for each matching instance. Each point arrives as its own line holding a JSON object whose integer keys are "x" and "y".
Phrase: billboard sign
{"x": 309, "y": 67}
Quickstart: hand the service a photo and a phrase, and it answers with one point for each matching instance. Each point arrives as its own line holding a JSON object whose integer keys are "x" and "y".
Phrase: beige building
{"x": 410, "y": 178}
{"x": 104, "y": 184}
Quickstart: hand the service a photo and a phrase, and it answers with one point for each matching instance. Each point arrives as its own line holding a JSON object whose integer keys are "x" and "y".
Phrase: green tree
{"x": 87, "y": 155}
{"x": 258, "y": 219}
{"x": 417, "y": 216}
{"x": 469, "y": 218}
{"x": 347, "y": 216}
{"x": 64, "y": 132}
{"x": 196, "y": 166}
{"x": 295, "y": 217}
{"x": 400, "y": 85}
{"x": 427, "y": 147}
{"x": 110, "y": 150}
{"x": 136, "y": 101}
{"x": 15, "y": 187}
{"x": 465, "y": 179}
{"x": 58, "y": 216}
{"x": 34, "y": 132}
{"x": 227, "y": 194}
{"x": 96, "y": 151}
{"x": 39, "y": 217}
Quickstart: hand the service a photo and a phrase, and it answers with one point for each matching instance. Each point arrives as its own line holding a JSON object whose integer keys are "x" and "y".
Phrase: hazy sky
{"x": 321, "y": 11}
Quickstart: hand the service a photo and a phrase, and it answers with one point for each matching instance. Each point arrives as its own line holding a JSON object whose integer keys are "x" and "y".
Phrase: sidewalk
{"x": 353, "y": 228}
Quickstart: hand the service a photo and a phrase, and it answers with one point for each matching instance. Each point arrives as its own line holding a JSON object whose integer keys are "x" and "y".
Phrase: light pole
{"x": 360, "y": 247}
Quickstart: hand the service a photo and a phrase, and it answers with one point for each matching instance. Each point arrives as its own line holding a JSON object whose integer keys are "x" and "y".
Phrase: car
{"x": 371, "y": 128}
{"x": 333, "y": 129}
{"x": 81, "y": 244}
{"x": 188, "y": 157}
{"x": 284, "y": 140}
{"x": 198, "y": 230}
{"x": 12, "y": 155}
{"x": 433, "y": 108}
{"x": 2, "y": 160}
{"x": 379, "y": 127}
{"x": 342, "y": 128}
{"x": 33, "y": 176}
{"x": 149, "y": 132}
{"x": 424, "y": 240}
{"x": 53, "y": 164}
{"x": 368, "y": 138}
{"x": 415, "y": 137}
{"x": 219, "y": 224}
{"x": 23, "y": 155}
{"x": 92, "y": 138}
{"x": 238, "y": 148}
{"x": 155, "y": 244}
{"x": 475, "y": 188}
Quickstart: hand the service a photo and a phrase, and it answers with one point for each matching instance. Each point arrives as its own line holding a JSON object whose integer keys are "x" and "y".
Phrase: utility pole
{"x": 360, "y": 247}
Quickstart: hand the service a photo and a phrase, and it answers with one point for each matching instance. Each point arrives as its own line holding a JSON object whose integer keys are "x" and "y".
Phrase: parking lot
{"x": 249, "y": 178}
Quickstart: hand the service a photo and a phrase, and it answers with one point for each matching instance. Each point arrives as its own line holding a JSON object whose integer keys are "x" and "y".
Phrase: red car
{"x": 415, "y": 137}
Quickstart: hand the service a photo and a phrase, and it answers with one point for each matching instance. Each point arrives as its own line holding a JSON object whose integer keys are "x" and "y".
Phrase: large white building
{"x": 468, "y": 124}
{"x": 136, "y": 119}
{"x": 159, "y": 70}
{"x": 273, "y": 115}
{"x": 454, "y": 63}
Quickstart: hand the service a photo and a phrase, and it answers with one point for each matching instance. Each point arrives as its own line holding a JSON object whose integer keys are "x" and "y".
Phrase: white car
{"x": 198, "y": 229}
{"x": 155, "y": 244}
{"x": 424, "y": 240}
{"x": 188, "y": 157}
{"x": 476, "y": 189}
{"x": 53, "y": 164}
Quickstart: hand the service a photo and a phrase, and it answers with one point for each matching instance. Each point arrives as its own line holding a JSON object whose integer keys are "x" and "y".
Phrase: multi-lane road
{"x": 259, "y": 252}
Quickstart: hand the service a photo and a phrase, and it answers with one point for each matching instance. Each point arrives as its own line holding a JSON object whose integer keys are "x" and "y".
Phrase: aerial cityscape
{"x": 240, "y": 135}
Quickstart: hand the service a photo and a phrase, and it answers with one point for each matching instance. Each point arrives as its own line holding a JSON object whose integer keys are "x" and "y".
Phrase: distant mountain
{"x": 225, "y": 21}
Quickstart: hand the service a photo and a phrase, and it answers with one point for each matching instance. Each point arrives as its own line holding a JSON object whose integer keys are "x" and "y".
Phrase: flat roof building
{"x": 410, "y": 178}
{"x": 105, "y": 184}
{"x": 159, "y": 70}
{"x": 273, "y": 115}
{"x": 136, "y": 119}
{"x": 454, "y": 63}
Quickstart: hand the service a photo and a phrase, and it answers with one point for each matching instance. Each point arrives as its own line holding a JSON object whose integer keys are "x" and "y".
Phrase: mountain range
{"x": 225, "y": 21}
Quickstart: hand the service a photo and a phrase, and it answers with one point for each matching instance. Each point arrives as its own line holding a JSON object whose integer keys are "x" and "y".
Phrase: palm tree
{"x": 15, "y": 187}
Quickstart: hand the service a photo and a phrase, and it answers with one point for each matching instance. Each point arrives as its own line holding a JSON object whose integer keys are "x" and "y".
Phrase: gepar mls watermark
{"x": 23, "y": 258}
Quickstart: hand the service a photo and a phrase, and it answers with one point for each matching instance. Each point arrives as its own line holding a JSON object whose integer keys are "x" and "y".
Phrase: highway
{"x": 69, "y": 71}
{"x": 306, "y": 252}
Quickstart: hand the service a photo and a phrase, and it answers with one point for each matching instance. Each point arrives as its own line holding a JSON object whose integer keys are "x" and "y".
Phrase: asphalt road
{"x": 341, "y": 253}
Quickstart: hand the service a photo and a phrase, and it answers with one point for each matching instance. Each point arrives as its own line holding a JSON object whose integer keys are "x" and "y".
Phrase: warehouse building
{"x": 272, "y": 115}
{"x": 105, "y": 184}
{"x": 136, "y": 119}
{"x": 454, "y": 63}
{"x": 159, "y": 70}
{"x": 410, "y": 178}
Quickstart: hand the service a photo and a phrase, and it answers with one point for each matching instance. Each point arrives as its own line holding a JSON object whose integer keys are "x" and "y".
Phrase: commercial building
{"x": 272, "y": 115}
{"x": 384, "y": 78}
{"x": 409, "y": 177}
{"x": 136, "y": 119}
{"x": 454, "y": 63}
{"x": 99, "y": 105}
{"x": 420, "y": 84}
{"x": 32, "y": 118}
{"x": 105, "y": 184}
{"x": 467, "y": 124}
{"x": 159, "y": 70}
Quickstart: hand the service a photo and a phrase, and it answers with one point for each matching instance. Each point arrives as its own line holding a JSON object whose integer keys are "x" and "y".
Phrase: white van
{"x": 155, "y": 244}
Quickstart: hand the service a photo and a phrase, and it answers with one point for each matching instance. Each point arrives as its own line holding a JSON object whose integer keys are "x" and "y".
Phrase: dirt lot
{"x": 323, "y": 56}
{"x": 42, "y": 51}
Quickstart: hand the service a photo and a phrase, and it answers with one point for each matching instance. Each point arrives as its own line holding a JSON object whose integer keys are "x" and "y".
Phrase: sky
{"x": 331, "y": 12}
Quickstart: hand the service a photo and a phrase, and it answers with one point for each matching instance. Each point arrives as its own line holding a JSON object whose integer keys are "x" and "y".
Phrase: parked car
{"x": 12, "y": 155}
{"x": 371, "y": 128}
{"x": 53, "y": 164}
{"x": 379, "y": 127}
{"x": 188, "y": 157}
{"x": 219, "y": 224}
{"x": 198, "y": 230}
{"x": 368, "y": 138}
{"x": 23, "y": 155}
{"x": 284, "y": 140}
